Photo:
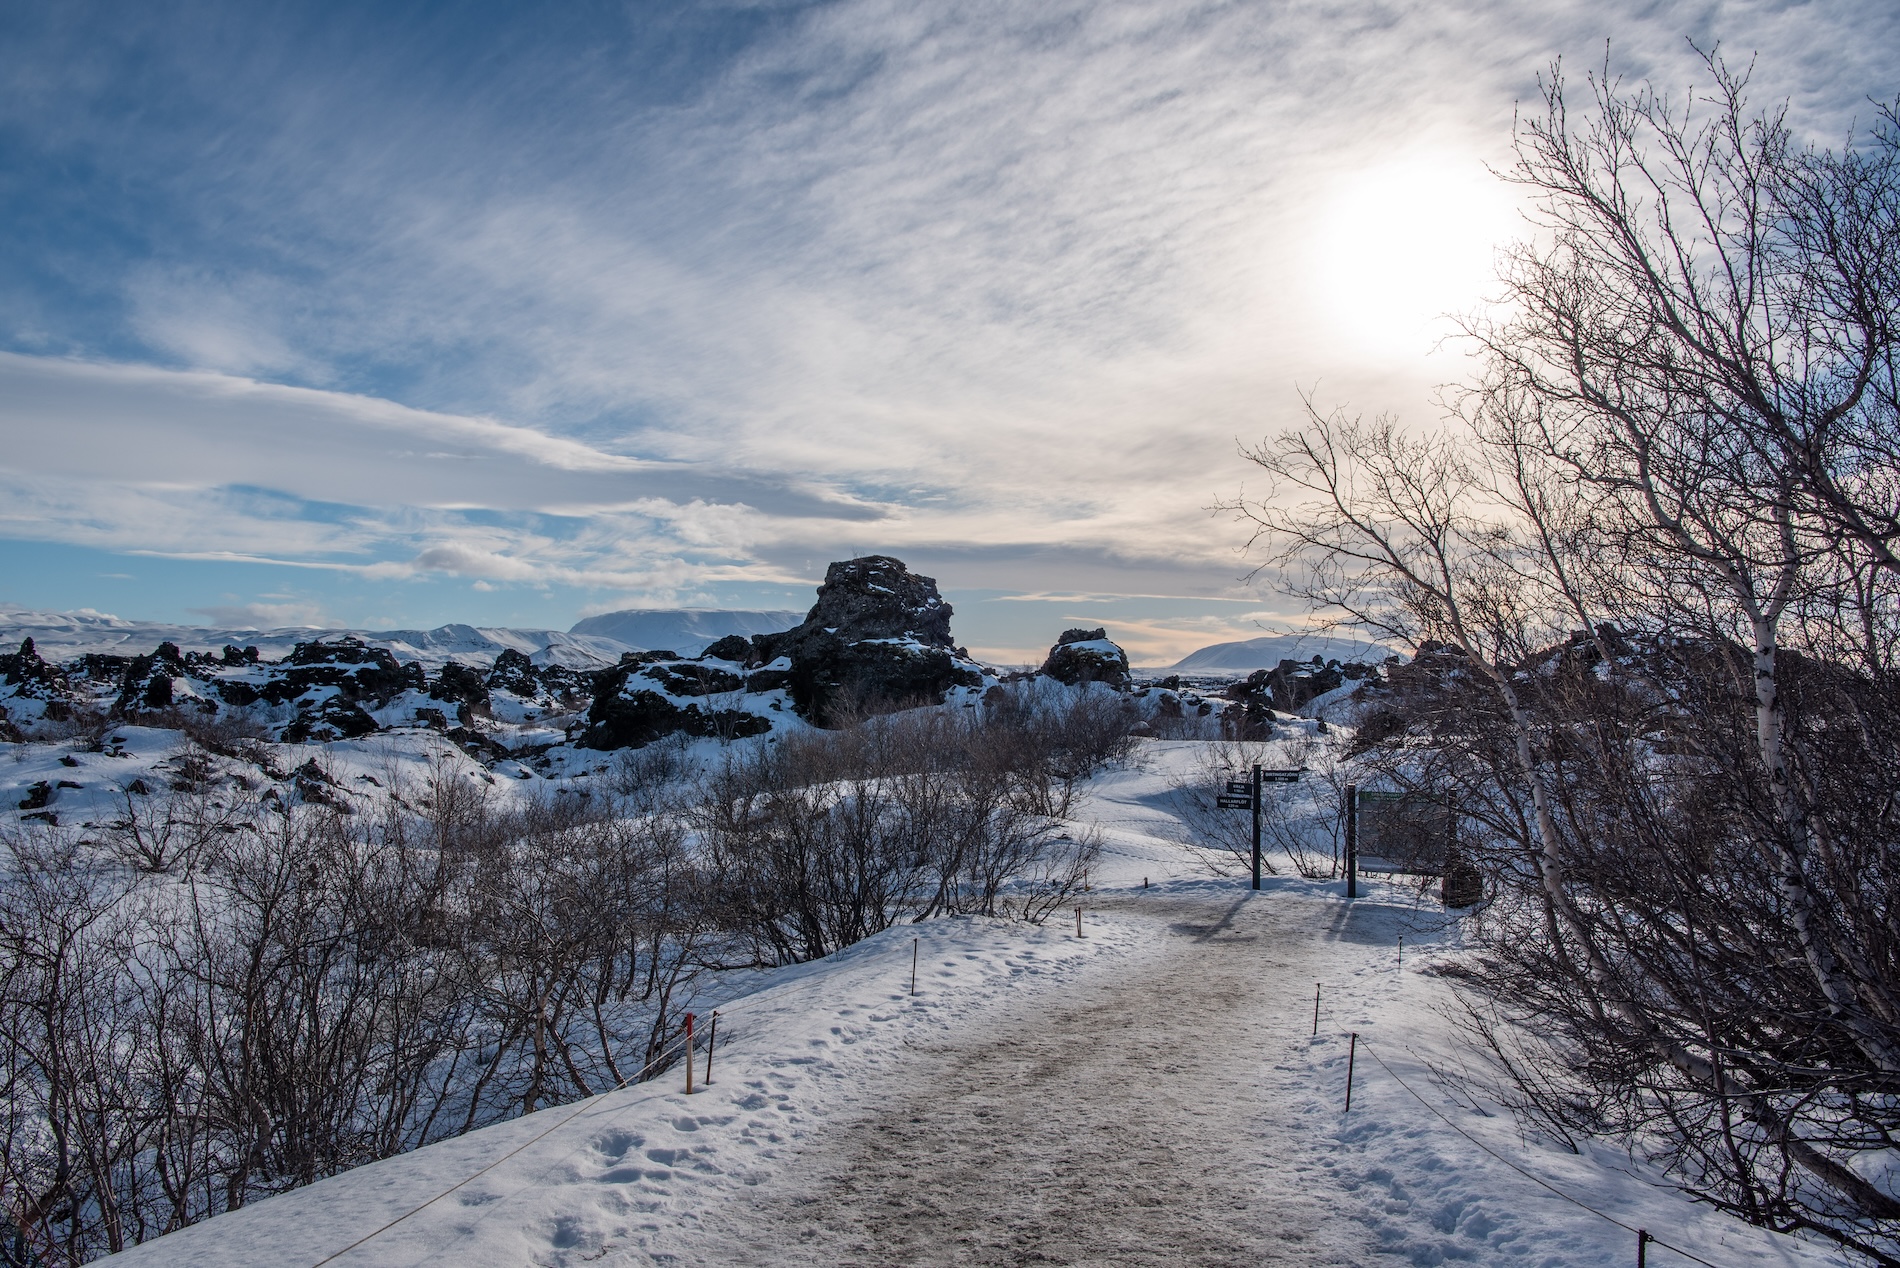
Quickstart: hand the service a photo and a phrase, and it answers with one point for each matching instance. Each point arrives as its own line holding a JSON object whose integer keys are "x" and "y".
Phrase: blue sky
{"x": 400, "y": 314}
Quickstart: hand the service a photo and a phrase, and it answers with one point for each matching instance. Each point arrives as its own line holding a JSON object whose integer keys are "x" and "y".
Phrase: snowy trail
{"x": 1149, "y": 1094}
{"x": 1137, "y": 1121}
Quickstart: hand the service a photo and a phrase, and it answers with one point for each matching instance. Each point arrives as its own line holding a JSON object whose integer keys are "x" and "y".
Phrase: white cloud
{"x": 994, "y": 284}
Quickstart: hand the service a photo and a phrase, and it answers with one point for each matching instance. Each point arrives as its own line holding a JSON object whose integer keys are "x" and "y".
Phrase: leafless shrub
{"x": 1648, "y": 565}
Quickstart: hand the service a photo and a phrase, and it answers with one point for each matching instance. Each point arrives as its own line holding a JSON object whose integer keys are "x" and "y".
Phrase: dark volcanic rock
{"x": 876, "y": 597}
{"x": 334, "y": 719}
{"x": 623, "y": 718}
{"x": 464, "y": 688}
{"x": 514, "y": 673}
{"x": 736, "y": 648}
{"x": 878, "y": 639}
{"x": 148, "y": 681}
{"x": 1082, "y": 656}
{"x": 356, "y": 670}
{"x": 25, "y": 667}
{"x": 1293, "y": 684}
{"x": 685, "y": 678}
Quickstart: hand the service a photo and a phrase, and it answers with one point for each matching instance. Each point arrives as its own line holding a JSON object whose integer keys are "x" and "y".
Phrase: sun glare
{"x": 1400, "y": 245}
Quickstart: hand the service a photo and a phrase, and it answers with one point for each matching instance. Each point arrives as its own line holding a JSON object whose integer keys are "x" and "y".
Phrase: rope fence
{"x": 667, "y": 1050}
{"x": 1642, "y": 1234}
{"x": 685, "y": 1039}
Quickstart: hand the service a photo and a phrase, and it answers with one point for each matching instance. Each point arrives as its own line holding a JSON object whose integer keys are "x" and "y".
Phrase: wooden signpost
{"x": 1244, "y": 794}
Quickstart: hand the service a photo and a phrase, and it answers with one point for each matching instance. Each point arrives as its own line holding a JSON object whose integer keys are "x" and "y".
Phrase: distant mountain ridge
{"x": 1268, "y": 651}
{"x": 688, "y": 631}
{"x": 64, "y": 635}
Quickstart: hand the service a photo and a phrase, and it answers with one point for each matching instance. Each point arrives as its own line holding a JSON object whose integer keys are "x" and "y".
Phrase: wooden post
{"x": 689, "y": 1057}
{"x": 1352, "y": 840}
{"x": 1316, "y": 1010}
{"x": 913, "y": 966}
{"x": 1256, "y": 827}
{"x": 1078, "y": 922}
{"x": 1642, "y": 1248}
{"x": 712, "y": 1041}
{"x": 1352, "y": 1054}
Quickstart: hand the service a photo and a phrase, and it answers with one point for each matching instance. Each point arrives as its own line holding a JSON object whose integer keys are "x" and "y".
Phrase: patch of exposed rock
{"x": 877, "y": 640}
{"x": 1085, "y": 656}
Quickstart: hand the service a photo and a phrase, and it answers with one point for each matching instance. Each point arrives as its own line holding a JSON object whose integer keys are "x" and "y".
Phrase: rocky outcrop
{"x": 1294, "y": 684}
{"x": 877, "y": 640}
{"x": 628, "y": 715}
{"x": 332, "y": 718}
{"x": 464, "y": 688}
{"x": 650, "y": 695}
{"x": 24, "y": 668}
{"x": 514, "y": 672}
{"x": 1085, "y": 656}
{"x": 152, "y": 682}
{"x": 30, "y": 689}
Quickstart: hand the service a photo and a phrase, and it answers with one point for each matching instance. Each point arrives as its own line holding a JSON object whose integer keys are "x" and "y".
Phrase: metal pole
{"x": 1642, "y": 1248}
{"x": 1256, "y": 827}
{"x": 913, "y": 966}
{"x": 1316, "y": 1010}
{"x": 689, "y": 1056}
{"x": 1352, "y": 1054}
{"x": 1352, "y": 840}
{"x": 712, "y": 1040}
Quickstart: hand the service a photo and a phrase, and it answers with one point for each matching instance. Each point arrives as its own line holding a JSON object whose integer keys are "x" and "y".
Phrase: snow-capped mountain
{"x": 1268, "y": 651}
{"x": 687, "y": 631}
{"x": 592, "y": 643}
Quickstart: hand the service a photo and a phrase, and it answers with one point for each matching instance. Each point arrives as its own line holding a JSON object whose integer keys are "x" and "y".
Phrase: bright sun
{"x": 1400, "y": 245}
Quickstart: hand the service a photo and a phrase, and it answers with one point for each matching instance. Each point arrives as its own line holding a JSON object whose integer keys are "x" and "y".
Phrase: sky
{"x": 394, "y": 315}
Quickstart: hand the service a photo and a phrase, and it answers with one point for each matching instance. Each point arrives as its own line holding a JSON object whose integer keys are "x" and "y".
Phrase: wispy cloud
{"x": 993, "y": 285}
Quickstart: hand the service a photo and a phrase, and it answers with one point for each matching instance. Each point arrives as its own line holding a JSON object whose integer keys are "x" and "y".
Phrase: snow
{"x": 592, "y": 643}
{"x": 1099, "y": 646}
{"x": 1268, "y": 651}
{"x": 1149, "y": 1092}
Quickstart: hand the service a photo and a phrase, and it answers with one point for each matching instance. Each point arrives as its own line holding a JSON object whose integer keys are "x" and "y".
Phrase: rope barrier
{"x": 1630, "y": 1228}
{"x": 580, "y": 1109}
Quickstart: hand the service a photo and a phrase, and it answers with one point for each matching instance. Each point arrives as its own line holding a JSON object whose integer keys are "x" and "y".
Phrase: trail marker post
{"x": 1244, "y": 794}
{"x": 712, "y": 1041}
{"x": 1078, "y": 922}
{"x": 1352, "y": 1053}
{"x": 1643, "y": 1240}
{"x": 1352, "y": 840}
{"x": 913, "y": 966}
{"x": 689, "y": 1054}
{"x": 1256, "y": 827}
{"x": 1316, "y": 1010}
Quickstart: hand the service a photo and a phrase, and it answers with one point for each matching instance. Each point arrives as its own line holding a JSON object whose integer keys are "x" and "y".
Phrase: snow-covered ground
{"x": 1150, "y": 1092}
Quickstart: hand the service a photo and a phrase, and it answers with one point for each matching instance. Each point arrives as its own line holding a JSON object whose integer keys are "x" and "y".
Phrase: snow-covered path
{"x": 1138, "y": 1119}
{"x": 1149, "y": 1094}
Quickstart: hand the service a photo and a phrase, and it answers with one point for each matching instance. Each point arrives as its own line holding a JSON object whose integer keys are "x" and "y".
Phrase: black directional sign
{"x": 1239, "y": 788}
{"x": 1235, "y": 803}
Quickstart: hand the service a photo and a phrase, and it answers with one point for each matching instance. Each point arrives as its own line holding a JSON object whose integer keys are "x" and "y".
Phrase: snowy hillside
{"x": 592, "y": 643}
{"x": 66, "y": 635}
{"x": 1267, "y": 652}
{"x": 1152, "y": 1085}
{"x": 688, "y": 631}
